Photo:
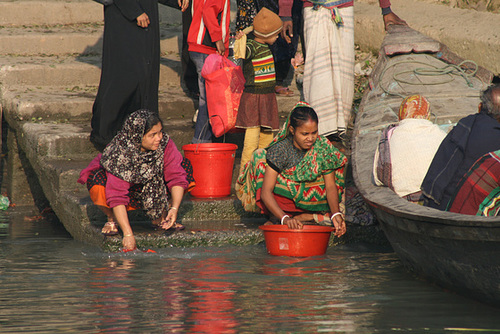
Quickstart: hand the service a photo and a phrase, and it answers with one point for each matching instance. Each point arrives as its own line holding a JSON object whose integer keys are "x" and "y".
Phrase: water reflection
{"x": 54, "y": 284}
{"x": 212, "y": 307}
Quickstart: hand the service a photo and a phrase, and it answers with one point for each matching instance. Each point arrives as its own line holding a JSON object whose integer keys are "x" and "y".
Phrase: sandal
{"x": 283, "y": 91}
{"x": 109, "y": 229}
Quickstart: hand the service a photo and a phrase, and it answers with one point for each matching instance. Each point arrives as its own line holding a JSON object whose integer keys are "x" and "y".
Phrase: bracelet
{"x": 173, "y": 207}
{"x": 283, "y": 218}
{"x": 336, "y": 214}
{"x": 128, "y": 235}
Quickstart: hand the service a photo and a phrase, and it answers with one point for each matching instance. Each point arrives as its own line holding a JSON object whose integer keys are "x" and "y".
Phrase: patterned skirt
{"x": 258, "y": 110}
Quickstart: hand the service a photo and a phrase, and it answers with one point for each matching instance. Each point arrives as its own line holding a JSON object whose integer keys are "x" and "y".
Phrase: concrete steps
{"x": 70, "y": 70}
{"x": 65, "y": 103}
{"x": 81, "y": 39}
{"x": 63, "y": 12}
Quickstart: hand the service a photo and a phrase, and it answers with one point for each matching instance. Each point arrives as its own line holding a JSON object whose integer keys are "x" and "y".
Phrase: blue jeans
{"x": 202, "y": 129}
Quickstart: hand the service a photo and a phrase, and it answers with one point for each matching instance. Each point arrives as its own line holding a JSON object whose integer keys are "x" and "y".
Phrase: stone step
{"x": 70, "y": 141}
{"x": 62, "y": 12}
{"x": 74, "y": 103}
{"x": 82, "y": 39}
{"x": 58, "y": 141}
{"x": 70, "y": 70}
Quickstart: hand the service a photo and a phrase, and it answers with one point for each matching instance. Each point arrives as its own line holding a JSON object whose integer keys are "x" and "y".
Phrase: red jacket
{"x": 210, "y": 23}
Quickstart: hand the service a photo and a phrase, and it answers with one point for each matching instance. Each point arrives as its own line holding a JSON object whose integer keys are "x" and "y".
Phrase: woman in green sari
{"x": 298, "y": 178}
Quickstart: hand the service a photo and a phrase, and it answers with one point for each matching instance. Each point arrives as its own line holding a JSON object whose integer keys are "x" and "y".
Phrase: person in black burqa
{"x": 472, "y": 137}
{"x": 130, "y": 65}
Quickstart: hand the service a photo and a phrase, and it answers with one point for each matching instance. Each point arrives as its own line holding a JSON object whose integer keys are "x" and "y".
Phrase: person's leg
{"x": 202, "y": 129}
{"x": 189, "y": 73}
{"x": 282, "y": 56}
{"x": 265, "y": 137}
{"x": 98, "y": 197}
{"x": 329, "y": 69}
{"x": 250, "y": 144}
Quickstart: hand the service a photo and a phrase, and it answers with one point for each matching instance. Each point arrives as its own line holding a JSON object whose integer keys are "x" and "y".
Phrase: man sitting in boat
{"x": 478, "y": 192}
{"x": 472, "y": 137}
{"x": 406, "y": 149}
{"x": 298, "y": 178}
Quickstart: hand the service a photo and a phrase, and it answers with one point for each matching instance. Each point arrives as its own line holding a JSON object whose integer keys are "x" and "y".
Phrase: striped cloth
{"x": 329, "y": 68}
{"x": 264, "y": 69}
{"x": 478, "y": 192}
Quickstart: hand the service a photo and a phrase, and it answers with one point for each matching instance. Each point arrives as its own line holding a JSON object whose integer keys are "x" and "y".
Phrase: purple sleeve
{"x": 384, "y": 3}
{"x": 285, "y": 8}
{"x": 116, "y": 191}
{"x": 173, "y": 173}
{"x": 93, "y": 165}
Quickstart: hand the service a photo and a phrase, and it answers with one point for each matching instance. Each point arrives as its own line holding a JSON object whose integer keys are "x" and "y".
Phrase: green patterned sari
{"x": 303, "y": 183}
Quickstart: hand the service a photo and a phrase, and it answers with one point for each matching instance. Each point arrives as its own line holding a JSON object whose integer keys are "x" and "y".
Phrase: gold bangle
{"x": 128, "y": 235}
{"x": 173, "y": 207}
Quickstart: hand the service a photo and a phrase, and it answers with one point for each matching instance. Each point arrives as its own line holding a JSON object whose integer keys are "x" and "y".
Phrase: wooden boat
{"x": 459, "y": 252}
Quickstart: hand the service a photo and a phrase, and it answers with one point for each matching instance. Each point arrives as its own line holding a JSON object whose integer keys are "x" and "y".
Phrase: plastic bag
{"x": 224, "y": 83}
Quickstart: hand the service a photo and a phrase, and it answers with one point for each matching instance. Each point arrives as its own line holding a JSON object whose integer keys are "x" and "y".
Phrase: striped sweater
{"x": 258, "y": 68}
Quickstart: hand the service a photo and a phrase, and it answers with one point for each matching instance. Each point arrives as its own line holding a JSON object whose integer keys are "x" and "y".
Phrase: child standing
{"x": 208, "y": 33}
{"x": 258, "y": 110}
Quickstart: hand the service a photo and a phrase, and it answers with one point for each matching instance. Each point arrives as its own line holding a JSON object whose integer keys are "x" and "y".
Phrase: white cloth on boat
{"x": 329, "y": 68}
{"x": 413, "y": 144}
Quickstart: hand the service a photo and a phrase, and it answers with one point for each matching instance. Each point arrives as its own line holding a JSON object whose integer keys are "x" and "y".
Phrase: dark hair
{"x": 490, "y": 101}
{"x": 152, "y": 119}
{"x": 301, "y": 115}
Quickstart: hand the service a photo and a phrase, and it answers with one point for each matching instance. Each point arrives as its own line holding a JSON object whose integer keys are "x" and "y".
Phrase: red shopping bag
{"x": 224, "y": 83}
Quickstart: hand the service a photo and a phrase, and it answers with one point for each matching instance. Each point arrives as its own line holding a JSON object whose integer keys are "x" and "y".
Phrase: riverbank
{"x": 49, "y": 72}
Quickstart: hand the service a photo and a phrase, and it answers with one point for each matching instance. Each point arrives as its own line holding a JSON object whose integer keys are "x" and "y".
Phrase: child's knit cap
{"x": 266, "y": 23}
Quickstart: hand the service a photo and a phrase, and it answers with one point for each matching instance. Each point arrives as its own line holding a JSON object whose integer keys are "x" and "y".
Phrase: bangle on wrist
{"x": 336, "y": 214}
{"x": 173, "y": 207}
{"x": 283, "y": 218}
{"x": 128, "y": 235}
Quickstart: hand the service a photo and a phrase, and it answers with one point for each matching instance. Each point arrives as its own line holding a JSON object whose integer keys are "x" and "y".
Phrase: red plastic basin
{"x": 310, "y": 241}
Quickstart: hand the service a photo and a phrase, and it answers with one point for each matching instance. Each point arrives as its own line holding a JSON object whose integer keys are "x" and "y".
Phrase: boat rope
{"x": 450, "y": 71}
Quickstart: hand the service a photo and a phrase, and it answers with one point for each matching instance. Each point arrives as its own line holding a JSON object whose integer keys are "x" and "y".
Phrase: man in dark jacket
{"x": 472, "y": 137}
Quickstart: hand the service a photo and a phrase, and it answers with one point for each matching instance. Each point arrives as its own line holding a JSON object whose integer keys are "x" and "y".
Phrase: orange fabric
{"x": 414, "y": 106}
{"x": 98, "y": 196}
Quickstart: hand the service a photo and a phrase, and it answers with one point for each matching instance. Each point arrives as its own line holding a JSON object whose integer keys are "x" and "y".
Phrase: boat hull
{"x": 459, "y": 252}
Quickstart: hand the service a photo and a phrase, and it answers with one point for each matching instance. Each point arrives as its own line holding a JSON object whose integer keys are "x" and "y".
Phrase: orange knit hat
{"x": 266, "y": 23}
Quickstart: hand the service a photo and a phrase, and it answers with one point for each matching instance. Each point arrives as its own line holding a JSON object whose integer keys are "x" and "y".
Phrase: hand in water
{"x": 129, "y": 242}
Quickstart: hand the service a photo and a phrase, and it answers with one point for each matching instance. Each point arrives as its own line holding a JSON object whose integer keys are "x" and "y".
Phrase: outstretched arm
{"x": 121, "y": 217}
{"x": 332, "y": 197}
{"x": 177, "y": 194}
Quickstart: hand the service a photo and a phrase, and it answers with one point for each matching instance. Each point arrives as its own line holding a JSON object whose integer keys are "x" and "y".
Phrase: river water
{"x": 50, "y": 283}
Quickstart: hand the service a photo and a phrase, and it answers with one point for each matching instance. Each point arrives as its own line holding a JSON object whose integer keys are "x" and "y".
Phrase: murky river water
{"x": 50, "y": 283}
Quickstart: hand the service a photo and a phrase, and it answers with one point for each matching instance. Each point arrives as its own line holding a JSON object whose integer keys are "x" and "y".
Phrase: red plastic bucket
{"x": 310, "y": 241}
{"x": 212, "y": 168}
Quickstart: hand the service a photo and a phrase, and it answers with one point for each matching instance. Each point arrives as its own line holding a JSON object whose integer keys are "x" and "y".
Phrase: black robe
{"x": 130, "y": 67}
